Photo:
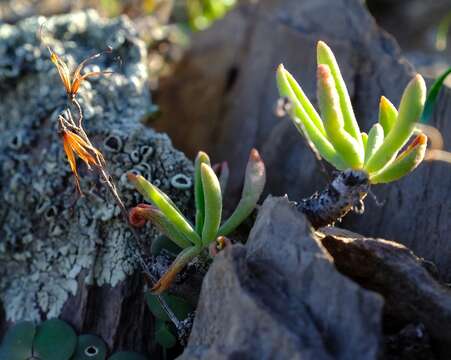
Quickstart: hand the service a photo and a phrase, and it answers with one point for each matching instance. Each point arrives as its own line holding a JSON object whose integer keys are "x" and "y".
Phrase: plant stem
{"x": 345, "y": 193}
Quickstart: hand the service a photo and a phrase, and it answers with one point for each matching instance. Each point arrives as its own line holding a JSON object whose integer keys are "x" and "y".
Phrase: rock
{"x": 280, "y": 297}
{"x": 227, "y": 108}
{"x": 411, "y": 293}
{"x": 61, "y": 258}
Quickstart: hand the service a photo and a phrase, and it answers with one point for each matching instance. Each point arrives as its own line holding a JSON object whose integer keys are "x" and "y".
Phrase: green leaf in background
{"x": 18, "y": 342}
{"x": 163, "y": 335}
{"x": 432, "y": 96}
{"x": 54, "y": 340}
{"x": 202, "y": 13}
{"x": 90, "y": 347}
{"x": 112, "y": 8}
{"x": 127, "y": 355}
{"x": 179, "y": 306}
{"x": 442, "y": 32}
{"x": 162, "y": 242}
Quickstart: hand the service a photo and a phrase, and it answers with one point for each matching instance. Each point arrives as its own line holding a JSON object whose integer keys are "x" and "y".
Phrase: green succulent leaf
{"x": 375, "y": 140}
{"x": 90, "y": 347}
{"x": 364, "y": 139}
{"x": 127, "y": 355}
{"x": 182, "y": 259}
{"x": 410, "y": 111}
{"x": 254, "y": 182}
{"x": 387, "y": 114}
{"x": 17, "y": 343}
{"x": 311, "y": 128}
{"x": 431, "y": 99}
{"x": 165, "y": 205}
{"x": 201, "y": 158}
{"x": 54, "y": 340}
{"x": 180, "y": 307}
{"x": 163, "y": 224}
{"x": 164, "y": 336}
{"x": 329, "y": 102}
{"x": 325, "y": 56}
{"x": 406, "y": 162}
{"x": 213, "y": 204}
{"x": 304, "y": 102}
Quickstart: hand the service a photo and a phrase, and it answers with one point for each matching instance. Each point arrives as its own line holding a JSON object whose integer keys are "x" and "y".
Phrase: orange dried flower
{"x": 75, "y": 144}
{"x": 73, "y": 81}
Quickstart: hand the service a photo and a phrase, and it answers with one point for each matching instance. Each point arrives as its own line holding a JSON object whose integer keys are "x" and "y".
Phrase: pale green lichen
{"x": 48, "y": 244}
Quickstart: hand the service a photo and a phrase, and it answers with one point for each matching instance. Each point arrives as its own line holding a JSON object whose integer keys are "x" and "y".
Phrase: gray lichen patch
{"x": 47, "y": 237}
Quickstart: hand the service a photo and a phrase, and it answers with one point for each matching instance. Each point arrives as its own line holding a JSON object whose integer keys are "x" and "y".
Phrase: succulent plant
{"x": 54, "y": 339}
{"x": 363, "y": 159}
{"x": 208, "y": 192}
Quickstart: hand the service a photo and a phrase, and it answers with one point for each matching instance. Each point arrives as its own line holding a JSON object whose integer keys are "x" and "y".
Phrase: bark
{"x": 345, "y": 193}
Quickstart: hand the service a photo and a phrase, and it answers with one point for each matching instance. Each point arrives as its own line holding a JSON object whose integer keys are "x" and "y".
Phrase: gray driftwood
{"x": 58, "y": 257}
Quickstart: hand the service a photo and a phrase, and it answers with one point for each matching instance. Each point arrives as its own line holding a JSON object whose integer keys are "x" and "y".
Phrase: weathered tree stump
{"x": 61, "y": 256}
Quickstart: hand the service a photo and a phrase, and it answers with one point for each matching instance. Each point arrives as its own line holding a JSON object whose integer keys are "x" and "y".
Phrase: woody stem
{"x": 346, "y": 192}
{"x": 80, "y": 112}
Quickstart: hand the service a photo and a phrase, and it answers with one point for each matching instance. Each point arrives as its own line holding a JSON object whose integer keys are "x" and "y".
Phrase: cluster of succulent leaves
{"x": 54, "y": 339}
{"x": 208, "y": 192}
{"x": 335, "y": 135}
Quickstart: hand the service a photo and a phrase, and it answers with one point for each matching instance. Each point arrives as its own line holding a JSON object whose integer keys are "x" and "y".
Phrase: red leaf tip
{"x": 254, "y": 155}
{"x": 132, "y": 176}
{"x": 135, "y": 218}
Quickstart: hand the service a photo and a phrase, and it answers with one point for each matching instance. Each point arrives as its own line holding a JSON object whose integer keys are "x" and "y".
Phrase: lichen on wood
{"x": 48, "y": 237}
